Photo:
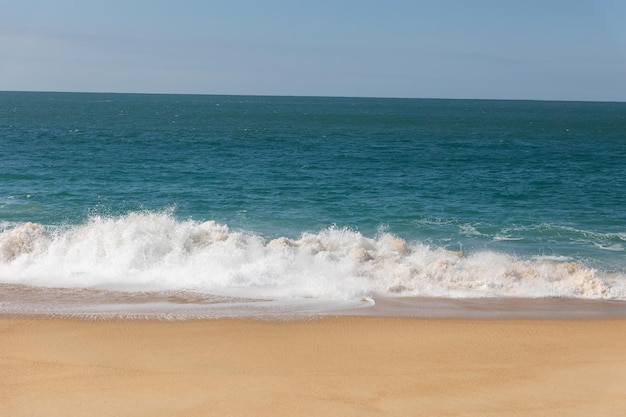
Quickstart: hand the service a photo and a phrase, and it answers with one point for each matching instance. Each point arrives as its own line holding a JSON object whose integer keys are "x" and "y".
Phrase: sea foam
{"x": 154, "y": 251}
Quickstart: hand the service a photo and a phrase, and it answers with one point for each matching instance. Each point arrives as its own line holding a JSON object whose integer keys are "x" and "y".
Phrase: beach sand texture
{"x": 332, "y": 366}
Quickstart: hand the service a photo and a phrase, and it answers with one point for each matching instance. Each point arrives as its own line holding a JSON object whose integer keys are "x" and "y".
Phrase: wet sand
{"x": 324, "y": 366}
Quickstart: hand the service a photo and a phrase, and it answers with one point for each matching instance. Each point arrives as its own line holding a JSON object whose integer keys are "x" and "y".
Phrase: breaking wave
{"x": 154, "y": 251}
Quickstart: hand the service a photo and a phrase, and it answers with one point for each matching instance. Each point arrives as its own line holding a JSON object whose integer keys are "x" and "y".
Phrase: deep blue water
{"x": 533, "y": 180}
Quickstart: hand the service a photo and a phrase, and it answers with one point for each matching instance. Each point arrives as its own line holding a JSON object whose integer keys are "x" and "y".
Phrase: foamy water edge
{"x": 153, "y": 252}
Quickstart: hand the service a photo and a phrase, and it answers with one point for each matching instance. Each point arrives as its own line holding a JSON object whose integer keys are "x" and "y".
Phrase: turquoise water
{"x": 313, "y": 197}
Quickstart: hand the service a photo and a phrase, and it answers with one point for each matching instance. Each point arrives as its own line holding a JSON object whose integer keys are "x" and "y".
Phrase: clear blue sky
{"x": 512, "y": 49}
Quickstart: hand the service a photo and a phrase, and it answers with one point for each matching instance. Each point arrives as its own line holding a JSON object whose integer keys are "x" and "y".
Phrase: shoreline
{"x": 321, "y": 366}
{"x": 494, "y": 308}
{"x": 20, "y": 300}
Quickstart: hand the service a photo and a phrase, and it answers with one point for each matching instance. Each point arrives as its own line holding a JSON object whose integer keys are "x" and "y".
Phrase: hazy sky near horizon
{"x": 548, "y": 49}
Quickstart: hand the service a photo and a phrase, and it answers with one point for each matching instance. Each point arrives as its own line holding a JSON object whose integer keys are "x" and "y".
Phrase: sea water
{"x": 183, "y": 202}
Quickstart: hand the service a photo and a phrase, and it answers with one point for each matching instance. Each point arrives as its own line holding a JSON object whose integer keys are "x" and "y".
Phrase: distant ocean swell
{"x": 155, "y": 251}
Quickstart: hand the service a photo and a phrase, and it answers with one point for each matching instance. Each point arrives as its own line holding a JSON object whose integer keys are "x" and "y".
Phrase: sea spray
{"x": 155, "y": 251}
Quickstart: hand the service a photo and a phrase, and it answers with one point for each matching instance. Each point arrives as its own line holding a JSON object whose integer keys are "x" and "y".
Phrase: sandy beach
{"x": 332, "y": 366}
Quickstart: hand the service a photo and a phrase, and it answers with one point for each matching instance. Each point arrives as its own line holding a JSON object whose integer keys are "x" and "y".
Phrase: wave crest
{"x": 155, "y": 251}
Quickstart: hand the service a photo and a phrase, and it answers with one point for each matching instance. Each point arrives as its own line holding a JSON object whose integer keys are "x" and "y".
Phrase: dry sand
{"x": 334, "y": 366}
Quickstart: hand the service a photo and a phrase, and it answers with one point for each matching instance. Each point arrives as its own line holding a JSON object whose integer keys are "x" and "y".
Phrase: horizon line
{"x": 309, "y": 96}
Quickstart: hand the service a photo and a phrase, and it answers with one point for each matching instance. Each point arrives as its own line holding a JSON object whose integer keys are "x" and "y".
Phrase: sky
{"x": 491, "y": 49}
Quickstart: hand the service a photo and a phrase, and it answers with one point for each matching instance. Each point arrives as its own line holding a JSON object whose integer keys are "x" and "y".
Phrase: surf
{"x": 155, "y": 251}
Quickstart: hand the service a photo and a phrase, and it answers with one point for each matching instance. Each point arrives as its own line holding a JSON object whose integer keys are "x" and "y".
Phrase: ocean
{"x": 209, "y": 205}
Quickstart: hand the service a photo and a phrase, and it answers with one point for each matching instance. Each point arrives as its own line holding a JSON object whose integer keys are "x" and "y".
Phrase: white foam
{"x": 616, "y": 247}
{"x": 469, "y": 230}
{"x": 153, "y": 251}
